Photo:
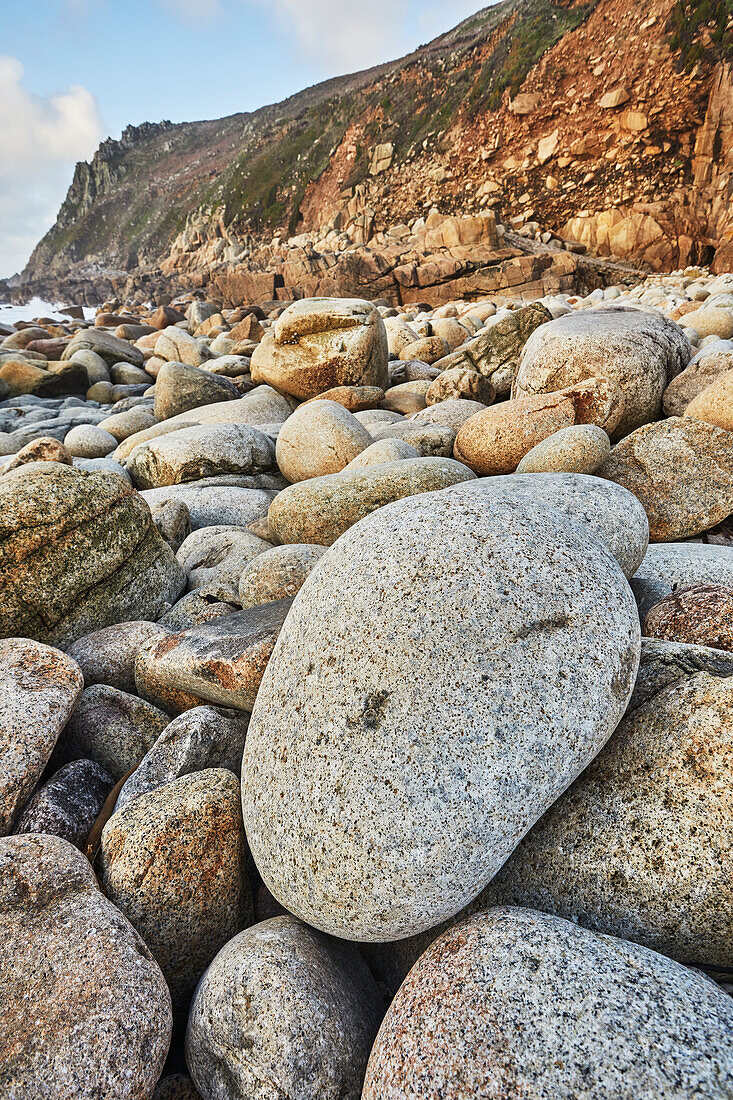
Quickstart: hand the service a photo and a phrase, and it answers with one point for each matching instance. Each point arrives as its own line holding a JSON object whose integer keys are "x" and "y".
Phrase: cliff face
{"x": 606, "y": 122}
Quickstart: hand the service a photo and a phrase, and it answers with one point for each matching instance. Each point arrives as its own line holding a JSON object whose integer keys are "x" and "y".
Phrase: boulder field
{"x": 365, "y": 718}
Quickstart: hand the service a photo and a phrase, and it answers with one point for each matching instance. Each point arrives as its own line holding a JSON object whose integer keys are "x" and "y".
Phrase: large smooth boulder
{"x": 640, "y": 352}
{"x": 638, "y": 846}
{"x": 207, "y": 450}
{"x": 580, "y": 449}
{"x": 319, "y": 343}
{"x": 611, "y": 512}
{"x": 78, "y": 551}
{"x": 39, "y": 687}
{"x": 321, "y": 437}
{"x": 370, "y": 728}
{"x": 668, "y": 566}
{"x": 177, "y": 346}
{"x": 179, "y": 387}
{"x": 321, "y": 509}
{"x": 514, "y": 1003}
{"x": 220, "y": 661}
{"x": 173, "y": 861}
{"x": 283, "y": 1011}
{"x": 682, "y": 472}
{"x": 495, "y": 352}
{"x": 86, "y": 1011}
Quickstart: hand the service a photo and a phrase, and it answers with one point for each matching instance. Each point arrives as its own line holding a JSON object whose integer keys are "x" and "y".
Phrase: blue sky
{"x": 73, "y": 72}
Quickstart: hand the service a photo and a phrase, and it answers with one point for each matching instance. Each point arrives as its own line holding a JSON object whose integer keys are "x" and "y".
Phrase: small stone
{"x": 382, "y": 451}
{"x": 89, "y": 441}
{"x": 172, "y": 861}
{"x": 214, "y": 558}
{"x": 285, "y": 1005}
{"x": 460, "y": 382}
{"x": 173, "y": 520}
{"x": 669, "y": 566}
{"x": 321, "y": 437}
{"x": 277, "y": 573}
{"x": 580, "y": 449}
{"x": 431, "y": 440}
{"x": 213, "y": 505}
{"x": 41, "y": 450}
{"x": 68, "y": 804}
{"x": 699, "y": 615}
{"x": 428, "y": 349}
{"x": 39, "y": 687}
{"x": 176, "y": 346}
{"x": 111, "y": 727}
{"x": 451, "y": 413}
{"x": 74, "y": 966}
{"x": 353, "y": 398}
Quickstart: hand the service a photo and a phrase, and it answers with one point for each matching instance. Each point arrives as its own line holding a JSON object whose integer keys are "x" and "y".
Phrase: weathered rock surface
{"x": 74, "y": 966}
{"x": 107, "y": 656}
{"x": 641, "y": 352}
{"x": 69, "y": 804}
{"x": 714, "y": 404}
{"x": 215, "y": 557}
{"x": 319, "y": 343}
{"x": 210, "y": 505}
{"x": 205, "y": 737}
{"x": 111, "y": 727}
{"x": 580, "y": 449}
{"x": 495, "y": 353}
{"x": 682, "y": 472}
{"x": 669, "y": 566}
{"x": 664, "y": 663}
{"x": 348, "y": 740}
{"x": 321, "y": 509}
{"x": 220, "y": 662}
{"x": 278, "y": 573}
{"x": 283, "y": 1011}
{"x": 608, "y": 1019}
{"x": 179, "y": 387}
{"x": 172, "y": 861}
{"x": 638, "y": 846}
{"x": 611, "y": 512}
{"x": 206, "y": 450}
{"x": 699, "y": 615}
{"x": 79, "y": 552}
{"x": 702, "y": 370}
{"x": 39, "y": 687}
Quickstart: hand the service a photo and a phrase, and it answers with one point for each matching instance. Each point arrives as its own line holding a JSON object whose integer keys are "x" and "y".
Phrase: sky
{"x": 73, "y": 72}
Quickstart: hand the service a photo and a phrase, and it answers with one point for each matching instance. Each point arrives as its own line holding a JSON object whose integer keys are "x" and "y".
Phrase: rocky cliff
{"x": 605, "y": 123}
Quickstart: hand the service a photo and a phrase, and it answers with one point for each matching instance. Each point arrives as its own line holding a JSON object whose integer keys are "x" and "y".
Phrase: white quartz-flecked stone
{"x": 668, "y": 566}
{"x": 513, "y": 1003}
{"x": 443, "y": 675}
{"x": 613, "y": 514}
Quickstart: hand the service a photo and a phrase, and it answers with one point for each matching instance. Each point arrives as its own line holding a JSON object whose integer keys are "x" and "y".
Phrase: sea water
{"x": 9, "y": 314}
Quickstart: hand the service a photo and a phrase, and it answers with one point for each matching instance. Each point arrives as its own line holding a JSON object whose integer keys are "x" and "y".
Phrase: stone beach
{"x": 366, "y": 708}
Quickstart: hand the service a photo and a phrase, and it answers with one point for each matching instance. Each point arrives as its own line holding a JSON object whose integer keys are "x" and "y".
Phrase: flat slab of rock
{"x": 682, "y": 472}
{"x": 74, "y": 966}
{"x": 640, "y": 352}
{"x": 222, "y": 661}
{"x": 285, "y": 1005}
{"x": 533, "y": 1006}
{"x": 369, "y": 730}
{"x": 322, "y": 508}
{"x": 39, "y": 687}
{"x": 206, "y": 450}
{"x": 80, "y": 551}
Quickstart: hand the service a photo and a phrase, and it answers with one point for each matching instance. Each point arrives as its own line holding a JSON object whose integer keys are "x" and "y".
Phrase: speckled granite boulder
{"x": 701, "y": 615}
{"x": 204, "y": 737}
{"x": 518, "y": 1004}
{"x": 172, "y": 861}
{"x": 369, "y": 729}
{"x": 173, "y": 520}
{"x": 107, "y": 656}
{"x": 639, "y": 351}
{"x": 39, "y": 687}
{"x": 209, "y": 505}
{"x": 180, "y": 387}
{"x": 321, "y": 509}
{"x": 682, "y": 472}
{"x": 218, "y": 662}
{"x": 74, "y": 966}
{"x": 381, "y": 451}
{"x": 206, "y": 450}
{"x": 283, "y": 1012}
{"x": 612, "y": 513}
{"x": 68, "y": 804}
{"x": 321, "y": 437}
{"x": 215, "y": 557}
{"x": 318, "y": 343}
{"x": 278, "y": 573}
{"x": 669, "y": 566}
{"x": 430, "y": 440}
{"x": 664, "y": 663}
{"x": 112, "y": 727}
{"x": 639, "y": 846}
{"x": 79, "y": 551}
{"x": 108, "y": 347}
{"x": 580, "y": 449}
{"x": 194, "y": 608}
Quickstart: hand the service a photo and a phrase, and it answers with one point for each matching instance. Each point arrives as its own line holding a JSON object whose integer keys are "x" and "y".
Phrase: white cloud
{"x": 342, "y": 35}
{"x": 41, "y": 139}
{"x": 195, "y": 11}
